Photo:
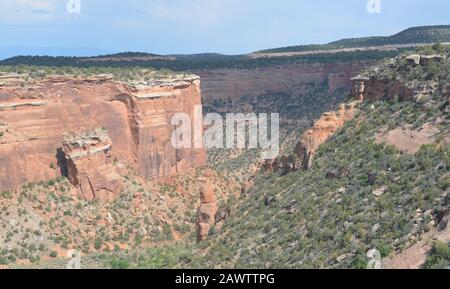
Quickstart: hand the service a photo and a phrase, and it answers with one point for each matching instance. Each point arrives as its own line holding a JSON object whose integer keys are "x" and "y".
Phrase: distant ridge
{"x": 414, "y": 35}
{"x": 365, "y": 48}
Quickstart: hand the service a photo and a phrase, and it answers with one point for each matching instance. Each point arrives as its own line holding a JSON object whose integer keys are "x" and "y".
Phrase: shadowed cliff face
{"x": 235, "y": 89}
{"x": 36, "y": 116}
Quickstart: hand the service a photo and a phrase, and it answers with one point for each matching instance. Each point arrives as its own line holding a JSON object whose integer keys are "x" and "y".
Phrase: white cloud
{"x": 27, "y": 11}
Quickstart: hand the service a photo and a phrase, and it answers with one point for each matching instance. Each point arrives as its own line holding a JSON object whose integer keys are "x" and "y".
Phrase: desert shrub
{"x": 119, "y": 264}
{"x": 439, "y": 257}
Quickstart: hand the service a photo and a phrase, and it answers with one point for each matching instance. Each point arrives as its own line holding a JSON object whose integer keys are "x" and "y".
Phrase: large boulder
{"x": 90, "y": 166}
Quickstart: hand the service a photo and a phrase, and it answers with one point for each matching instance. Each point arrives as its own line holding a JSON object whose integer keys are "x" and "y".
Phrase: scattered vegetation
{"x": 426, "y": 34}
{"x": 136, "y": 75}
{"x": 193, "y": 62}
{"x": 439, "y": 257}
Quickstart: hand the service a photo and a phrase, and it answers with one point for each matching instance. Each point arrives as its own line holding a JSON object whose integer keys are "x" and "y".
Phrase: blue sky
{"x": 196, "y": 26}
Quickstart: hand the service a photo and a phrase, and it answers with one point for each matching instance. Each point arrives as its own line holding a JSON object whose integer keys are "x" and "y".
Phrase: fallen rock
{"x": 344, "y": 172}
{"x": 90, "y": 167}
{"x": 375, "y": 228}
{"x": 443, "y": 219}
{"x": 379, "y": 192}
{"x": 372, "y": 178}
{"x": 341, "y": 258}
{"x": 331, "y": 176}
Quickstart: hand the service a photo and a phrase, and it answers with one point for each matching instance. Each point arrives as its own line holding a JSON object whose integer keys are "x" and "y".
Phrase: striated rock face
{"x": 224, "y": 88}
{"x": 137, "y": 118}
{"x": 373, "y": 85}
{"x": 380, "y": 89}
{"x": 206, "y": 217}
{"x": 310, "y": 141}
{"x": 150, "y": 110}
{"x": 90, "y": 165}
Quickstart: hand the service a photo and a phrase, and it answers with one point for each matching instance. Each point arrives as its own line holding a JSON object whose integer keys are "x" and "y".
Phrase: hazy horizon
{"x": 48, "y": 27}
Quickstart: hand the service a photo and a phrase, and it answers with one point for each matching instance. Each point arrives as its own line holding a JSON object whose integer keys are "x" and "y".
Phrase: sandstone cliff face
{"x": 90, "y": 165}
{"x": 149, "y": 115}
{"x": 322, "y": 130}
{"x": 380, "y": 89}
{"x": 311, "y": 140}
{"x": 374, "y": 84}
{"x": 228, "y": 86}
{"x": 36, "y": 116}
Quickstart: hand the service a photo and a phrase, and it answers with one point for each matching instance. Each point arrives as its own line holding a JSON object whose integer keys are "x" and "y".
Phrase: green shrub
{"x": 439, "y": 257}
{"x": 119, "y": 264}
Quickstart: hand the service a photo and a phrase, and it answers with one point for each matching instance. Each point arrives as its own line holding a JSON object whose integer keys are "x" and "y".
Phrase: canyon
{"x": 367, "y": 86}
{"x": 110, "y": 138}
{"x": 37, "y": 117}
{"x": 136, "y": 117}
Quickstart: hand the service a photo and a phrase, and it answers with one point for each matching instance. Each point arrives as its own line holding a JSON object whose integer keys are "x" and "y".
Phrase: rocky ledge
{"x": 135, "y": 114}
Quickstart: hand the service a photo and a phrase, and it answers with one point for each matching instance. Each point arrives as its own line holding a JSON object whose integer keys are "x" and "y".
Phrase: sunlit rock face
{"x": 35, "y": 118}
{"x": 322, "y": 130}
{"x": 90, "y": 166}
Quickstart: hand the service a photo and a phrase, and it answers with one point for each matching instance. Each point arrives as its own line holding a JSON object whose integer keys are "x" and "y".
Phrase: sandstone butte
{"x": 85, "y": 128}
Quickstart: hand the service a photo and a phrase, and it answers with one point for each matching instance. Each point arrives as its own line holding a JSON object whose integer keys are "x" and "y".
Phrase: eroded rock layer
{"x": 35, "y": 116}
{"x": 90, "y": 166}
{"x": 311, "y": 140}
{"x": 322, "y": 130}
{"x": 206, "y": 217}
{"x": 235, "y": 89}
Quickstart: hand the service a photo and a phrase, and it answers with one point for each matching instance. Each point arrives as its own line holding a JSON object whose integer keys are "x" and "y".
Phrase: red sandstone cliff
{"x": 311, "y": 140}
{"x": 221, "y": 85}
{"x": 35, "y": 116}
{"x": 376, "y": 85}
{"x": 322, "y": 130}
{"x": 90, "y": 166}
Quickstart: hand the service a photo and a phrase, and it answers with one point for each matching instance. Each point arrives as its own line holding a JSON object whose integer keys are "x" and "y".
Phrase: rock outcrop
{"x": 410, "y": 140}
{"x": 373, "y": 85}
{"x": 149, "y": 114}
{"x": 310, "y": 141}
{"x": 90, "y": 165}
{"x": 322, "y": 130}
{"x": 137, "y": 118}
{"x": 206, "y": 217}
{"x": 365, "y": 88}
